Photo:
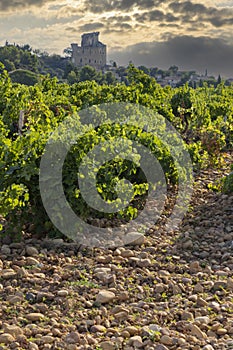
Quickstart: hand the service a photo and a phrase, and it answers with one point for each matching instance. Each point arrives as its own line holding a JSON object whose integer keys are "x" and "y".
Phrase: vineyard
{"x": 203, "y": 117}
{"x": 167, "y": 289}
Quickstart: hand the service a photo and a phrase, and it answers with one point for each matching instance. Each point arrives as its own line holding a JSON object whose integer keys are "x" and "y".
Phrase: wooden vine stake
{"x": 21, "y": 122}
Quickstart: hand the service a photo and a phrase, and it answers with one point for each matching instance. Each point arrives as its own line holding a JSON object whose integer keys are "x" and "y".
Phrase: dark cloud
{"x": 97, "y": 6}
{"x": 71, "y": 29}
{"x": 221, "y": 21}
{"x": 117, "y": 28}
{"x": 187, "y": 52}
{"x": 119, "y": 18}
{"x": 188, "y": 7}
{"x": 124, "y": 26}
{"x": 113, "y": 24}
{"x": 188, "y": 10}
{"x": 123, "y": 22}
{"x": 6, "y": 5}
{"x": 178, "y": 11}
{"x": 89, "y": 27}
{"x": 155, "y": 15}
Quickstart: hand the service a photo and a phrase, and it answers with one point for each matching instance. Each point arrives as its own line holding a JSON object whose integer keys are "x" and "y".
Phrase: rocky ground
{"x": 166, "y": 291}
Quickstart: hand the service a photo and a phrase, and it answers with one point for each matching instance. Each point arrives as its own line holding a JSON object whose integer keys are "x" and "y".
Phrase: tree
{"x": 173, "y": 69}
{"x": 68, "y": 52}
{"x": 219, "y": 80}
{"x": 144, "y": 69}
{"x": 136, "y": 76}
{"x": 110, "y": 78}
{"x": 26, "y": 47}
{"x": 9, "y": 65}
{"x": 153, "y": 71}
{"x": 72, "y": 77}
{"x": 88, "y": 73}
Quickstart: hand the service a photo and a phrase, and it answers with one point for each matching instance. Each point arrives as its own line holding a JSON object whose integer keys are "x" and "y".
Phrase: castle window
{"x": 89, "y": 60}
{"x": 81, "y": 60}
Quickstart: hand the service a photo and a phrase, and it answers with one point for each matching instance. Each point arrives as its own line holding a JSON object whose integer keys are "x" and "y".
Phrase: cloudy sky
{"x": 192, "y": 34}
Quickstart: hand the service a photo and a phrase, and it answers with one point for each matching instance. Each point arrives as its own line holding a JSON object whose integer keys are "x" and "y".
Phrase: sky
{"x": 192, "y": 34}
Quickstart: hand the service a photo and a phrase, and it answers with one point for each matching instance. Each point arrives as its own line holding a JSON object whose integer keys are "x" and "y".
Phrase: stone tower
{"x": 91, "y": 52}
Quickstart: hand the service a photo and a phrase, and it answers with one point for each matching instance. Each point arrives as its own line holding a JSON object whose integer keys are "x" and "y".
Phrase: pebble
{"x": 35, "y": 316}
{"x": 221, "y": 331}
{"x": 154, "y": 327}
{"x": 5, "y": 249}
{"x": 134, "y": 238}
{"x": 22, "y": 272}
{"x": 208, "y": 347}
{"x": 218, "y": 285}
{"x": 63, "y": 293}
{"x": 127, "y": 253}
{"x": 15, "y": 331}
{"x": 166, "y": 340}
{"x": 135, "y": 341}
{"x": 160, "y": 288}
{"x": 8, "y": 274}
{"x": 31, "y": 251}
{"x": 98, "y": 328}
{"x": 160, "y": 347}
{"x": 123, "y": 315}
{"x": 230, "y": 284}
{"x": 186, "y": 315}
{"x": 144, "y": 263}
{"x": 202, "y": 319}
{"x": 107, "y": 345}
{"x": 215, "y": 306}
{"x": 14, "y": 299}
{"x": 105, "y": 296}
{"x": 6, "y": 338}
{"x": 181, "y": 341}
{"x": 47, "y": 339}
{"x": 198, "y": 288}
{"x": 201, "y": 302}
{"x": 188, "y": 245}
{"x": 195, "y": 267}
{"x": 31, "y": 261}
{"x": 72, "y": 338}
{"x": 195, "y": 330}
{"x": 132, "y": 330}
{"x": 32, "y": 346}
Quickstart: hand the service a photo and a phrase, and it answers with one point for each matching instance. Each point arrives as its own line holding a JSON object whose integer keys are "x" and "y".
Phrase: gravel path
{"x": 167, "y": 292}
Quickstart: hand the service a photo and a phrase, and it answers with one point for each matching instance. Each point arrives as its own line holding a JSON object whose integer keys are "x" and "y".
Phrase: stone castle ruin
{"x": 91, "y": 52}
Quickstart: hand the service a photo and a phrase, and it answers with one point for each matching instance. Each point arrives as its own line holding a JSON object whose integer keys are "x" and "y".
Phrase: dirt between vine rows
{"x": 166, "y": 291}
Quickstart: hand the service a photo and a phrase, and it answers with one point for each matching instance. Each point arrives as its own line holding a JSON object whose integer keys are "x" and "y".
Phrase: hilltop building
{"x": 91, "y": 52}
